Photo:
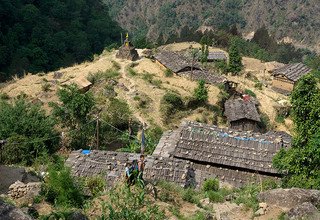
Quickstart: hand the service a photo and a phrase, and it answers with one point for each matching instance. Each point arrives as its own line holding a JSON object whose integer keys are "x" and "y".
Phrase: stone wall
{"x": 20, "y": 189}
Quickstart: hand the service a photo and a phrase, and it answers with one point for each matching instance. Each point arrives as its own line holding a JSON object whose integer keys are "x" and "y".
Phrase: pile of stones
{"x": 20, "y": 189}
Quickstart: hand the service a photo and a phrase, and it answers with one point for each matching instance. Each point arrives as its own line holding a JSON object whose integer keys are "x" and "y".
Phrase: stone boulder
{"x": 305, "y": 210}
{"x": 290, "y": 198}
{"x": 10, "y": 212}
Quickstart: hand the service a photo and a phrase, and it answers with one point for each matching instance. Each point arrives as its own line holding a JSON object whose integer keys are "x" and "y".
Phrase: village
{"x": 238, "y": 153}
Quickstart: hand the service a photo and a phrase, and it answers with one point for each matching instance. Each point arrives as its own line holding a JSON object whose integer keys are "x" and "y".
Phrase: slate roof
{"x": 209, "y": 78}
{"x": 174, "y": 61}
{"x": 237, "y": 109}
{"x": 292, "y": 71}
{"x": 226, "y": 147}
{"x": 112, "y": 165}
{"x": 217, "y": 55}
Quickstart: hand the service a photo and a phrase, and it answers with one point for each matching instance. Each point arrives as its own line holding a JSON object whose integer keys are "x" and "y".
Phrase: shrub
{"x": 249, "y": 92}
{"x": 103, "y": 75}
{"x": 132, "y": 72}
{"x": 190, "y": 195}
{"x": 95, "y": 184}
{"x": 280, "y": 118}
{"x": 170, "y": 104}
{"x": 116, "y": 65}
{"x": 248, "y": 196}
{"x": 148, "y": 77}
{"x": 201, "y": 92}
{"x": 215, "y": 196}
{"x": 4, "y": 96}
{"x": 46, "y": 86}
{"x": 222, "y": 66}
{"x": 28, "y": 131}
{"x": 168, "y": 73}
{"x": 211, "y": 185}
{"x": 258, "y": 85}
{"x": 60, "y": 187}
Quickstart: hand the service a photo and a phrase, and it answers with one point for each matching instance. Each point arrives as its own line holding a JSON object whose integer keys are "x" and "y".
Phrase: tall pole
{"x": 97, "y": 128}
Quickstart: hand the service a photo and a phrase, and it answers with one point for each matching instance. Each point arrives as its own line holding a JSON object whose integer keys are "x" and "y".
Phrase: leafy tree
{"x": 301, "y": 162}
{"x": 201, "y": 92}
{"x": 263, "y": 39}
{"x": 74, "y": 113}
{"x": 235, "y": 60}
{"x": 28, "y": 131}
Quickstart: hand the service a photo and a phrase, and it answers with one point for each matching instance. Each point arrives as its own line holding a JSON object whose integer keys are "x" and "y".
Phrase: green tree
{"x": 302, "y": 160}
{"x": 28, "y": 131}
{"x": 201, "y": 92}
{"x": 74, "y": 113}
{"x": 235, "y": 59}
{"x": 264, "y": 40}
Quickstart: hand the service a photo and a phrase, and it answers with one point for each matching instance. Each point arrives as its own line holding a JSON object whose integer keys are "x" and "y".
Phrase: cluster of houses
{"x": 237, "y": 155}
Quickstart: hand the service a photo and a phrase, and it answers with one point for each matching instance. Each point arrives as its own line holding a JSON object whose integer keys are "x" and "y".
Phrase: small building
{"x": 217, "y": 56}
{"x": 285, "y": 78}
{"x": 127, "y": 51}
{"x": 234, "y": 157}
{"x": 175, "y": 62}
{"x": 242, "y": 114}
{"x": 272, "y": 66}
{"x": 208, "y": 77}
{"x": 82, "y": 83}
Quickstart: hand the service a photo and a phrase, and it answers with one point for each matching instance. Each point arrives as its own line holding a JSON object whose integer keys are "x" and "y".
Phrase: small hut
{"x": 285, "y": 78}
{"x": 127, "y": 51}
{"x": 217, "y": 56}
{"x": 242, "y": 114}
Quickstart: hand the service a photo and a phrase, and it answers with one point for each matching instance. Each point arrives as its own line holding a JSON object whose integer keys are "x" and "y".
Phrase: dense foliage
{"x": 45, "y": 35}
{"x": 28, "y": 131}
{"x": 301, "y": 162}
{"x": 73, "y": 112}
{"x": 235, "y": 60}
{"x": 201, "y": 92}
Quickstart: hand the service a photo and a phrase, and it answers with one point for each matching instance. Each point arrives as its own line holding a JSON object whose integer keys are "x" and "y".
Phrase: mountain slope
{"x": 290, "y": 19}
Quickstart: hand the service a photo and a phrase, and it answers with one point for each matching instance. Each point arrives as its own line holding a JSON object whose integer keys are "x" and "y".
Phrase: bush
{"x": 249, "y": 92}
{"x": 103, "y": 75}
{"x": 170, "y": 104}
{"x": 248, "y": 196}
{"x": 168, "y": 73}
{"x": 95, "y": 184}
{"x": 46, "y": 86}
{"x": 201, "y": 92}
{"x": 60, "y": 187}
{"x": 4, "y": 96}
{"x": 215, "y": 196}
{"x": 28, "y": 131}
{"x": 280, "y": 118}
{"x": 258, "y": 85}
{"x": 190, "y": 195}
{"x": 211, "y": 185}
{"x": 116, "y": 65}
{"x": 132, "y": 72}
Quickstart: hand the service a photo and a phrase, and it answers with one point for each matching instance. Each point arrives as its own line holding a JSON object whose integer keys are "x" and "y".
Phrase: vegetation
{"x": 235, "y": 60}
{"x": 74, "y": 113}
{"x": 43, "y": 35}
{"x": 60, "y": 188}
{"x": 250, "y": 92}
{"x": 201, "y": 93}
{"x": 301, "y": 162}
{"x": 28, "y": 131}
{"x": 211, "y": 185}
{"x": 170, "y": 104}
{"x": 168, "y": 73}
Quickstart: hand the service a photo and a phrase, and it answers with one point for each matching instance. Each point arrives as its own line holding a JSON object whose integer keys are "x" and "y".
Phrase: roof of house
{"x": 237, "y": 109}
{"x": 273, "y": 65}
{"x": 81, "y": 82}
{"x": 226, "y": 147}
{"x": 112, "y": 165}
{"x": 208, "y": 77}
{"x": 174, "y": 61}
{"x": 292, "y": 71}
{"x": 217, "y": 55}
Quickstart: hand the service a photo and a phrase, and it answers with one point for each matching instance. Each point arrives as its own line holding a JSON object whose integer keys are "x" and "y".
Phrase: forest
{"x": 46, "y": 35}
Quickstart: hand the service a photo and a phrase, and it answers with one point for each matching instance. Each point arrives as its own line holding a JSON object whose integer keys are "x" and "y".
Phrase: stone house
{"x": 285, "y": 78}
{"x": 242, "y": 114}
{"x": 217, "y": 56}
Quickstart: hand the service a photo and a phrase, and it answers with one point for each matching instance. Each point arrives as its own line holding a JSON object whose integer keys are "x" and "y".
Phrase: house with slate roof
{"x": 242, "y": 114}
{"x": 285, "y": 78}
{"x": 234, "y": 157}
{"x": 217, "y": 56}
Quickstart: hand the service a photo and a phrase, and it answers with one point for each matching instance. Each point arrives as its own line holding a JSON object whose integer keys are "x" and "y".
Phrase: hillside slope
{"x": 292, "y": 20}
{"x": 148, "y": 84}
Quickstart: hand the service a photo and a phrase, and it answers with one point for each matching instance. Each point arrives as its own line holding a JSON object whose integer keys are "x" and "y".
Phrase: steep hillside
{"x": 144, "y": 86}
{"x": 291, "y": 20}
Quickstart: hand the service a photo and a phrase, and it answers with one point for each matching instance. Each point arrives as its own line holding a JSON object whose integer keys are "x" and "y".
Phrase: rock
{"x": 77, "y": 216}
{"x": 305, "y": 210}
{"x": 10, "y": 212}
{"x": 57, "y": 75}
{"x": 290, "y": 198}
{"x": 260, "y": 211}
{"x": 205, "y": 202}
{"x": 263, "y": 205}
